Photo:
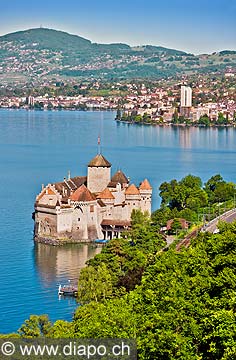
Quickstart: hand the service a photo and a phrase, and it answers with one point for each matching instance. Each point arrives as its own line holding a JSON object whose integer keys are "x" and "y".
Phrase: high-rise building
{"x": 186, "y": 96}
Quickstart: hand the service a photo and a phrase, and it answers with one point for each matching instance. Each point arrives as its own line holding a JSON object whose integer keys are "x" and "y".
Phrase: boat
{"x": 67, "y": 290}
{"x": 100, "y": 241}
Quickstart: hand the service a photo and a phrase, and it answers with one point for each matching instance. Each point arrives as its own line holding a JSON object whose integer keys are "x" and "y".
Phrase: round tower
{"x": 146, "y": 196}
{"x": 99, "y": 174}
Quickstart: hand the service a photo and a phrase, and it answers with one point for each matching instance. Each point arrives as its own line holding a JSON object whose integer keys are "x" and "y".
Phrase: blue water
{"x": 40, "y": 147}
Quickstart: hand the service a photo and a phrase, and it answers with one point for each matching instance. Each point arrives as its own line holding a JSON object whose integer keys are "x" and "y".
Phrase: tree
{"x": 35, "y": 326}
{"x": 204, "y": 120}
{"x": 219, "y": 190}
{"x": 138, "y": 118}
{"x": 175, "y": 226}
{"x": 118, "y": 114}
{"x": 139, "y": 218}
{"x": 221, "y": 119}
{"x": 175, "y": 117}
{"x": 187, "y": 193}
{"x": 95, "y": 284}
{"x": 161, "y": 216}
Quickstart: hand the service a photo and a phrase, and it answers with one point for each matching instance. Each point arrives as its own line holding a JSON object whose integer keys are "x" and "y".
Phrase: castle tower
{"x": 145, "y": 190}
{"x": 132, "y": 197}
{"x": 99, "y": 174}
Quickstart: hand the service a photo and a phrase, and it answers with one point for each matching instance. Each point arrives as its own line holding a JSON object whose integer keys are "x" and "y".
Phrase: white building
{"x": 186, "y": 96}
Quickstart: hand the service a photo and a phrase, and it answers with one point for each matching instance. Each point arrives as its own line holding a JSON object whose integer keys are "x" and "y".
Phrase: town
{"x": 198, "y": 99}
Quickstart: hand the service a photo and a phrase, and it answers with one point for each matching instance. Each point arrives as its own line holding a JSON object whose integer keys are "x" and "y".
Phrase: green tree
{"x": 95, "y": 284}
{"x": 118, "y": 114}
{"x": 175, "y": 117}
{"x": 187, "y": 193}
{"x": 219, "y": 190}
{"x": 221, "y": 119}
{"x": 175, "y": 226}
{"x": 35, "y": 326}
{"x": 204, "y": 120}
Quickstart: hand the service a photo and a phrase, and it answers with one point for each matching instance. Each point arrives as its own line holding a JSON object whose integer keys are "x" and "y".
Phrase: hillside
{"x": 38, "y": 55}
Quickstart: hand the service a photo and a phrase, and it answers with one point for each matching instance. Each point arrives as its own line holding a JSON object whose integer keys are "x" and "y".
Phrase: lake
{"x": 38, "y": 147}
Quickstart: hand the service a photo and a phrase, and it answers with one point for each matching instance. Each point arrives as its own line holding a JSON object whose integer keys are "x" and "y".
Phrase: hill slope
{"x": 46, "y": 39}
{"x": 41, "y": 54}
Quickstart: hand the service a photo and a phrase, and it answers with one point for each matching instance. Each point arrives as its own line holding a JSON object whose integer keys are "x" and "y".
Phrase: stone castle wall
{"x": 98, "y": 178}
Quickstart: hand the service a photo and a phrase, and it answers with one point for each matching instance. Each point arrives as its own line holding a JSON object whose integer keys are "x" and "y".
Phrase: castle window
{"x": 78, "y": 219}
{"x": 91, "y": 208}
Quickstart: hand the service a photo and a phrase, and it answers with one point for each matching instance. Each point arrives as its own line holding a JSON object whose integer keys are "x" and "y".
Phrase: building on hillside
{"x": 82, "y": 209}
{"x": 186, "y": 96}
{"x": 185, "y": 100}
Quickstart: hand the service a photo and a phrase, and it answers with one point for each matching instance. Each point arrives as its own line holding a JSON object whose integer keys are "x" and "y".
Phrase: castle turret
{"x": 132, "y": 197}
{"x": 145, "y": 190}
{"x": 99, "y": 174}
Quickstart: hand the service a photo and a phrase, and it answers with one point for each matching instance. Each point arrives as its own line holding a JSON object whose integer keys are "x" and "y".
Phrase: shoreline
{"x": 59, "y": 241}
{"x": 176, "y": 125}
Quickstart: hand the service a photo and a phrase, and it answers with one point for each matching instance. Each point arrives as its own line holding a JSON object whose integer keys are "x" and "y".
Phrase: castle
{"x": 96, "y": 206}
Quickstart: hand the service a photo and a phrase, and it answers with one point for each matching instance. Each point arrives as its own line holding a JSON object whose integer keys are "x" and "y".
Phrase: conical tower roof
{"x": 145, "y": 185}
{"x": 119, "y": 177}
{"x": 132, "y": 190}
{"x": 99, "y": 161}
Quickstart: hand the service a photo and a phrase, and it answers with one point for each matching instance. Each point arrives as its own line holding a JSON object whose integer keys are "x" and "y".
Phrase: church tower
{"x": 99, "y": 174}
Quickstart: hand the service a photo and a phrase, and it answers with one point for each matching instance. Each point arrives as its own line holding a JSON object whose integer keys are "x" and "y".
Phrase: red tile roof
{"x": 145, "y": 185}
{"x": 116, "y": 222}
{"x": 119, "y": 177}
{"x": 46, "y": 191}
{"x": 106, "y": 194}
{"x": 82, "y": 194}
{"x": 132, "y": 190}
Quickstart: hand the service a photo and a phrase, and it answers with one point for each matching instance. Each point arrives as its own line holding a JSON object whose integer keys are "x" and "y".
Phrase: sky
{"x": 201, "y": 26}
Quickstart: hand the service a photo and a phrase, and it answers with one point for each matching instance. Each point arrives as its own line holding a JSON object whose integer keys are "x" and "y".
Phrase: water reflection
{"x": 185, "y": 138}
{"x": 62, "y": 263}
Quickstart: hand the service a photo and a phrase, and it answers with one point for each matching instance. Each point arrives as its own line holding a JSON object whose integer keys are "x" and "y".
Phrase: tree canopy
{"x": 184, "y": 307}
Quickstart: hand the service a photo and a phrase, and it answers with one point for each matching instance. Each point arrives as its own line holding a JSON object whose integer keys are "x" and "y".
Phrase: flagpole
{"x": 99, "y": 145}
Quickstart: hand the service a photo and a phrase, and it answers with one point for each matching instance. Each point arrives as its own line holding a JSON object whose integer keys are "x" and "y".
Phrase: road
{"x": 228, "y": 217}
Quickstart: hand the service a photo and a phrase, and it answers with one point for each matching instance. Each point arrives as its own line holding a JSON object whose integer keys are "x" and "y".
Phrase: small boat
{"x": 100, "y": 241}
{"x": 67, "y": 290}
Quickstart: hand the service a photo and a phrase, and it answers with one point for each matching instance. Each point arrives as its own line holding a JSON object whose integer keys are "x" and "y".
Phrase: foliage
{"x": 35, "y": 326}
{"x": 187, "y": 193}
{"x": 218, "y": 189}
{"x": 204, "y": 120}
{"x": 183, "y": 309}
{"x": 189, "y": 200}
{"x": 175, "y": 226}
{"x": 95, "y": 284}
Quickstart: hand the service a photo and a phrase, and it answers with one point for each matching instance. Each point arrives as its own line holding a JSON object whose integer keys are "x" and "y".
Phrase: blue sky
{"x": 194, "y": 26}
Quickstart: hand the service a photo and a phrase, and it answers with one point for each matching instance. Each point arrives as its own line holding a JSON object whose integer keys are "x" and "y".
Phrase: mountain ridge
{"x": 42, "y": 53}
{"x": 48, "y": 31}
{"x": 13, "y": 35}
